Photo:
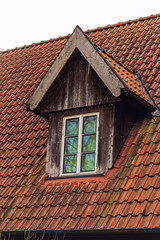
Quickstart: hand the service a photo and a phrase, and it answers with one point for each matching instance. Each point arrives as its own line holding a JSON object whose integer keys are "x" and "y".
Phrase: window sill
{"x": 71, "y": 179}
{"x": 74, "y": 176}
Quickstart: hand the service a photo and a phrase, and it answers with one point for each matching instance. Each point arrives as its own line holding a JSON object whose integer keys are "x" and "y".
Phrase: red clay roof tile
{"x": 128, "y": 195}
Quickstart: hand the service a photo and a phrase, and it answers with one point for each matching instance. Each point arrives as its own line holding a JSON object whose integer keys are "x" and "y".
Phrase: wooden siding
{"x": 79, "y": 90}
{"x": 76, "y": 86}
{"x": 104, "y": 141}
{"x": 124, "y": 119}
{"x": 114, "y": 125}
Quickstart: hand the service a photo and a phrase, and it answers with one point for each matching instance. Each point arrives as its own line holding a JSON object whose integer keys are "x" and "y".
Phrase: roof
{"x": 129, "y": 79}
{"x": 127, "y": 196}
{"x": 115, "y": 77}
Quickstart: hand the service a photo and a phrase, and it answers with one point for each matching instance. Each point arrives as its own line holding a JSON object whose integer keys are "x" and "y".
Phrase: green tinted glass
{"x": 89, "y": 124}
{"x": 89, "y": 143}
{"x": 72, "y": 126}
{"x": 70, "y": 164}
{"x": 71, "y": 145}
{"x": 88, "y": 162}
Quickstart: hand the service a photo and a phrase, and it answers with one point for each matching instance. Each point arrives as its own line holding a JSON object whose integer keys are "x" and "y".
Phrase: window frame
{"x": 79, "y": 152}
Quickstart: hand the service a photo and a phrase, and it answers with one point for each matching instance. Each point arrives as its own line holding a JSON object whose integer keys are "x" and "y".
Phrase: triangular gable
{"x": 78, "y": 40}
{"x": 113, "y": 75}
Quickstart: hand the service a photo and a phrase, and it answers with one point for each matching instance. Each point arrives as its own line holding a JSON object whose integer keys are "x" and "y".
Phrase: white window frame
{"x": 81, "y": 117}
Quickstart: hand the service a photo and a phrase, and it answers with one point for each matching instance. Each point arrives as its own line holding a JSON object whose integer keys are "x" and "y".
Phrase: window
{"x": 79, "y": 144}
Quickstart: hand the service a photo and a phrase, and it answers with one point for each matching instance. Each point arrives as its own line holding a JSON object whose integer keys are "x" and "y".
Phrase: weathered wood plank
{"x": 76, "y": 86}
{"x": 124, "y": 119}
{"x": 105, "y": 140}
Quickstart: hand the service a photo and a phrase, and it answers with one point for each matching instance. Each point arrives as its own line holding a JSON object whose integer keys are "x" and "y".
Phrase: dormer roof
{"x": 115, "y": 77}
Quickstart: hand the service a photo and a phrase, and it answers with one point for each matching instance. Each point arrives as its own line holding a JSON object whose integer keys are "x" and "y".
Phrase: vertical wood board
{"x": 76, "y": 86}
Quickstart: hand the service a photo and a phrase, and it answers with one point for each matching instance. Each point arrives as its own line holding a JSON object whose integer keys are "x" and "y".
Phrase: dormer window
{"x": 79, "y": 144}
{"x": 90, "y": 108}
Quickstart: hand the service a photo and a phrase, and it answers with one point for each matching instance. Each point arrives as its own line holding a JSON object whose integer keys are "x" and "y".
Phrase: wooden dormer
{"x": 79, "y": 84}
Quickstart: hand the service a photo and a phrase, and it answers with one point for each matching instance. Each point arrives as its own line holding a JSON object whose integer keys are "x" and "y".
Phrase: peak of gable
{"x": 102, "y": 64}
{"x": 78, "y": 40}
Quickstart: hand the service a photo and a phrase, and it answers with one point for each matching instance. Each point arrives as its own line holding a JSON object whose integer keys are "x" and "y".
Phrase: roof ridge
{"x": 123, "y": 23}
{"x": 86, "y": 31}
{"x": 35, "y": 44}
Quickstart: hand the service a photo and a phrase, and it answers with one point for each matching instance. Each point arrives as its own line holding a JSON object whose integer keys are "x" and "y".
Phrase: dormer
{"x": 91, "y": 102}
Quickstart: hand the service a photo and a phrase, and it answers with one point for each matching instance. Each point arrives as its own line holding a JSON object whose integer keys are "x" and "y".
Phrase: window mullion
{"x": 79, "y": 144}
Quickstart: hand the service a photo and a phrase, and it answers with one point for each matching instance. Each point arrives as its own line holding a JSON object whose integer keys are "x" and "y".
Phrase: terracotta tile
{"x": 145, "y": 221}
{"x": 154, "y": 193}
{"x": 132, "y": 183}
{"x": 157, "y": 183}
{"x": 86, "y": 223}
{"x": 134, "y": 221}
{"x": 21, "y": 224}
{"x": 123, "y": 222}
{"x": 102, "y": 222}
{"x": 55, "y": 224}
{"x": 133, "y": 171}
{"x": 67, "y": 222}
{"x": 43, "y": 224}
{"x": 93, "y": 223}
{"x": 145, "y": 194}
{"x": 128, "y": 78}
{"x": 104, "y": 197}
{"x": 154, "y": 222}
{"x": 79, "y": 210}
{"x": 14, "y": 224}
{"x": 155, "y": 158}
{"x": 109, "y": 184}
{"x": 5, "y": 224}
{"x": 140, "y": 207}
{"x": 152, "y": 207}
{"x": 44, "y": 212}
{"x": 155, "y": 169}
{"x": 32, "y": 222}
{"x": 130, "y": 193}
{"x": 134, "y": 195}
{"x": 71, "y": 223}
{"x": 150, "y": 181}
{"x": 117, "y": 209}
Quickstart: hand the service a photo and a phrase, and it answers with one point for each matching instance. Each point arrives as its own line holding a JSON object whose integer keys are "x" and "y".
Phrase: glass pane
{"x": 89, "y": 143}
{"x": 89, "y": 124}
{"x": 70, "y": 164}
{"x": 88, "y": 162}
{"x": 72, "y": 126}
{"x": 71, "y": 145}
